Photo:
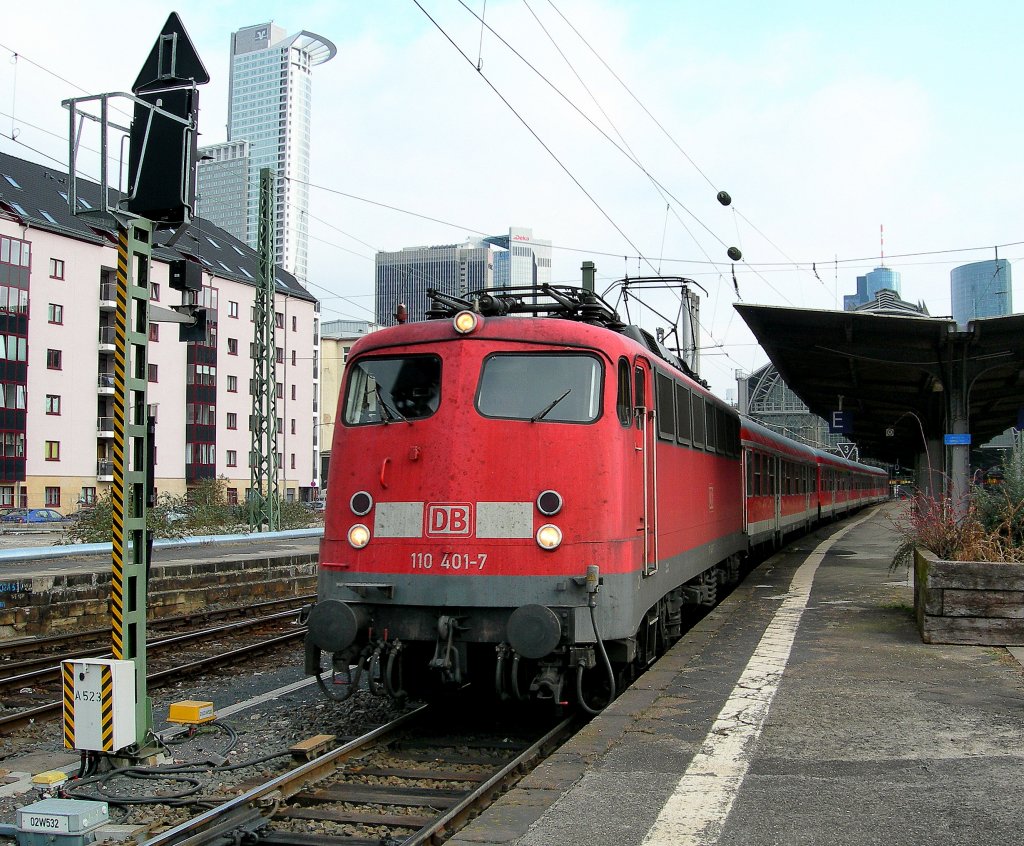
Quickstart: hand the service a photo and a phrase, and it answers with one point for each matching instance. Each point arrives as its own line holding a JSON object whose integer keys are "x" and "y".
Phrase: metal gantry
{"x": 264, "y": 495}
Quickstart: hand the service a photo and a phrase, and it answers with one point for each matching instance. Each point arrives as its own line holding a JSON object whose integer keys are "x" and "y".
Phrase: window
{"x": 293, "y": 425}
{"x": 664, "y": 388}
{"x": 232, "y": 495}
{"x": 232, "y": 346}
{"x": 12, "y": 395}
{"x": 53, "y": 360}
{"x": 232, "y": 384}
{"x": 232, "y": 309}
{"x": 293, "y": 391}
{"x": 279, "y": 320}
{"x": 280, "y": 355}
{"x": 52, "y": 404}
{"x": 232, "y": 420}
{"x": 55, "y": 313}
{"x": 52, "y": 497}
{"x": 295, "y": 323}
{"x": 6, "y": 496}
{"x": 232, "y": 458}
{"x": 684, "y": 429}
{"x": 293, "y": 461}
{"x": 697, "y": 407}
{"x": 51, "y": 450}
{"x": 56, "y": 268}
{"x": 12, "y": 444}
{"x": 154, "y": 331}
{"x": 87, "y": 496}
{"x": 154, "y": 292}
{"x": 280, "y": 391}
{"x": 152, "y": 373}
{"x": 293, "y": 358}
{"x": 152, "y": 410}
{"x": 554, "y": 388}
{"x": 623, "y": 400}
{"x": 13, "y": 347}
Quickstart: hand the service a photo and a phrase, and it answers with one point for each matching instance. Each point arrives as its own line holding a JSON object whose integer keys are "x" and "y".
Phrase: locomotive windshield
{"x": 563, "y": 388}
{"x": 393, "y": 389}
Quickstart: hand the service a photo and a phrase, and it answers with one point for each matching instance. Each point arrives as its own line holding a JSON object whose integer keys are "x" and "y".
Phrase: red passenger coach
{"x": 780, "y": 485}
{"x": 525, "y": 493}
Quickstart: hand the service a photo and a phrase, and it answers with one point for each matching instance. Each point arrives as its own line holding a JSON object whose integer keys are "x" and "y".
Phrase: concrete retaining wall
{"x": 41, "y": 605}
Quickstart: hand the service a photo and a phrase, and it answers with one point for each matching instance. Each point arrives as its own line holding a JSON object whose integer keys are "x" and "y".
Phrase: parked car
{"x": 33, "y": 515}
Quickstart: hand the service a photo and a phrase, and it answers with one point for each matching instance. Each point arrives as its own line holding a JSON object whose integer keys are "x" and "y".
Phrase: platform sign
{"x": 957, "y": 440}
{"x": 840, "y": 423}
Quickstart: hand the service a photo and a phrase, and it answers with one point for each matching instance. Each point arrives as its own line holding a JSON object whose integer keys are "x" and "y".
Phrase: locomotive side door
{"x": 646, "y": 450}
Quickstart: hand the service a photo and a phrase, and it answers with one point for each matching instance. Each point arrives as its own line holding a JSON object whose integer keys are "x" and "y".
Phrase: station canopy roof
{"x": 893, "y": 371}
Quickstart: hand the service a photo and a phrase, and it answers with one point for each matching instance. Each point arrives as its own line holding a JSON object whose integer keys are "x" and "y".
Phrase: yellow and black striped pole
{"x": 128, "y": 580}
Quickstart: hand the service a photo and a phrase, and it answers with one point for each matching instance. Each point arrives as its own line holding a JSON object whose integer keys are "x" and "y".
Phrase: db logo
{"x": 445, "y": 519}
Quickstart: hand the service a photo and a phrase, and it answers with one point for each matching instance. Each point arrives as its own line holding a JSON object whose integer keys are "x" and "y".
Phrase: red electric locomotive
{"x": 525, "y": 493}
{"x": 527, "y": 503}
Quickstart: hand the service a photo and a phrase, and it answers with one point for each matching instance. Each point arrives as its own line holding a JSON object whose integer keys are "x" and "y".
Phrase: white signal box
{"x": 99, "y": 704}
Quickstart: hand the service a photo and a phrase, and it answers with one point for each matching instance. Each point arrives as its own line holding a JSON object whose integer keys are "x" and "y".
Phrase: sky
{"x": 841, "y": 131}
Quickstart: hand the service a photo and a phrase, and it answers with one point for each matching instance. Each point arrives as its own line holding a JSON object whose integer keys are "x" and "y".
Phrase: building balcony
{"x": 105, "y": 384}
{"x": 105, "y": 427}
{"x": 108, "y": 296}
{"x": 106, "y": 339}
{"x": 104, "y": 471}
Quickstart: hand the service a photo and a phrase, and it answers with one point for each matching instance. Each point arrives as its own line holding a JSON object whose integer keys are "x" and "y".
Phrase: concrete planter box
{"x": 969, "y": 602}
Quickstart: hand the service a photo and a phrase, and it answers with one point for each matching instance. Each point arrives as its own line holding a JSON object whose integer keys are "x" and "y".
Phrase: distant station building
{"x": 270, "y": 107}
{"x": 403, "y": 276}
{"x": 336, "y": 340}
{"x": 981, "y": 289}
{"x": 766, "y": 398}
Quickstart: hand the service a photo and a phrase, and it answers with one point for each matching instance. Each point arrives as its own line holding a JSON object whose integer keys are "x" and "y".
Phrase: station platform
{"x": 804, "y": 709}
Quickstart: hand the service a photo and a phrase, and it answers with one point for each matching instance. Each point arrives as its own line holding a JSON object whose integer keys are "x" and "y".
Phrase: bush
{"x": 204, "y": 510}
{"x": 991, "y": 529}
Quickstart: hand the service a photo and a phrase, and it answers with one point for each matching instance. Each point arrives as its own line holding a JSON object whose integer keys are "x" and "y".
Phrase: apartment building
{"x": 57, "y": 305}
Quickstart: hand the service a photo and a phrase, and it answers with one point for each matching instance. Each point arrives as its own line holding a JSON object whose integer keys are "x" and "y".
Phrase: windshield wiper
{"x": 540, "y": 415}
{"x": 389, "y": 413}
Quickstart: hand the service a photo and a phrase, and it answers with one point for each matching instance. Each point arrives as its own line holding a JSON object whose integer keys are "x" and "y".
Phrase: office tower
{"x": 880, "y": 279}
{"x": 269, "y": 106}
{"x": 524, "y": 260}
{"x": 981, "y": 289}
{"x": 404, "y": 276}
{"x": 223, "y": 187}
{"x": 495, "y": 261}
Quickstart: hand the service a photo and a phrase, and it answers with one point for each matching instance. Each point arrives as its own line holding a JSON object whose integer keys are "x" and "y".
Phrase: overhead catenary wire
{"x": 532, "y": 132}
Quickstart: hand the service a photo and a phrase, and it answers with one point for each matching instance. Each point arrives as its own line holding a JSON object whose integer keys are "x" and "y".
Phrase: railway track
{"x": 17, "y": 717}
{"x": 44, "y": 649}
{"x": 401, "y": 783}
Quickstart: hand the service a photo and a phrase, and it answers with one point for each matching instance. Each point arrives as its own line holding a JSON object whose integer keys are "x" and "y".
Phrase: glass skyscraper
{"x": 981, "y": 289}
{"x": 880, "y": 279}
{"x": 492, "y": 262}
{"x": 269, "y": 101}
{"x": 404, "y": 276}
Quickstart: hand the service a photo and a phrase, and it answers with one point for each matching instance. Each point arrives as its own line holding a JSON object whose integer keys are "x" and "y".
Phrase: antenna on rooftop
{"x": 881, "y": 238}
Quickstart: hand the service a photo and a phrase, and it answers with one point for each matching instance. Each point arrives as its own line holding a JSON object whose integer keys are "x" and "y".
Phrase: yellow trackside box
{"x": 99, "y": 704}
{"x": 191, "y": 712}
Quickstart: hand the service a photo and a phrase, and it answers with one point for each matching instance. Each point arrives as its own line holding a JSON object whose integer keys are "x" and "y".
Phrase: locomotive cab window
{"x": 624, "y": 400}
{"x": 554, "y": 388}
{"x": 385, "y": 390}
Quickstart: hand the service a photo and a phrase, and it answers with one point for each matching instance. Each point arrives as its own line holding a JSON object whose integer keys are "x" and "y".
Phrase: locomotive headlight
{"x": 361, "y": 503}
{"x": 359, "y": 536}
{"x": 465, "y": 322}
{"x": 549, "y": 503}
{"x": 549, "y": 536}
